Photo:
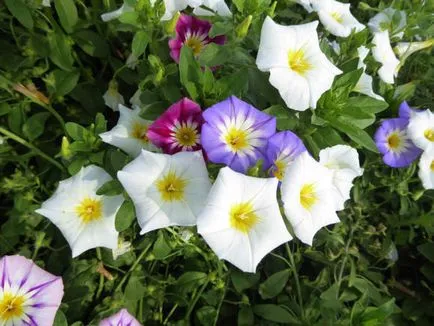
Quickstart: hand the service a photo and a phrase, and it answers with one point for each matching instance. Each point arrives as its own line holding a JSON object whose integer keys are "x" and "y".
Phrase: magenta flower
{"x": 192, "y": 32}
{"x": 28, "y": 294}
{"x": 236, "y": 133}
{"x": 282, "y": 148}
{"x": 394, "y": 143}
{"x": 178, "y": 129}
{"x": 122, "y": 318}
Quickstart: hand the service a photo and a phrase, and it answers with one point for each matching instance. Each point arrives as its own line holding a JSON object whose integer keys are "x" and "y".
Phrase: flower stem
{"x": 133, "y": 267}
{"x": 20, "y": 140}
{"x": 170, "y": 314}
{"x": 193, "y": 304}
{"x": 297, "y": 281}
{"x": 101, "y": 276}
{"x": 344, "y": 261}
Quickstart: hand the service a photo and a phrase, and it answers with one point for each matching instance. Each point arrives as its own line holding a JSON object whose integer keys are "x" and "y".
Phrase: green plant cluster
{"x": 376, "y": 267}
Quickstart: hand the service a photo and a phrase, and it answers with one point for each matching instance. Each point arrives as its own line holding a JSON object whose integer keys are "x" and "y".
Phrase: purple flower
{"x": 192, "y": 32}
{"x": 406, "y": 112}
{"x": 178, "y": 128}
{"x": 122, "y": 318}
{"x": 394, "y": 143}
{"x": 282, "y": 149}
{"x": 236, "y": 133}
{"x": 28, "y": 294}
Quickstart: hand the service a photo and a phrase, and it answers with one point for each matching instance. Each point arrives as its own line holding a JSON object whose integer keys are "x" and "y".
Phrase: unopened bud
{"x": 243, "y": 28}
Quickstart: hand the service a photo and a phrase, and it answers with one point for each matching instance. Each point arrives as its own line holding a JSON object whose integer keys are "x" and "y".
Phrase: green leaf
{"x": 67, "y": 12}
{"x": 358, "y": 135}
{"x": 60, "y": 319}
{"x": 427, "y": 249}
{"x": 378, "y": 315}
{"x": 220, "y": 28}
{"x": 125, "y": 216}
{"x": 329, "y": 298}
{"x": 75, "y": 131}
{"x": 65, "y": 81}
{"x": 140, "y": 42}
{"x": 284, "y": 120}
{"x": 364, "y": 104}
{"x": 214, "y": 55}
{"x": 110, "y": 188}
{"x": 92, "y": 43}
{"x": 188, "y": 281}
{"x": 34, "y": 126}
{"x": 404, "y": 92}
{"x": 100, "y": 123}
{"x": 243, "y": 281}
{"x": 21, "y": 12}
{"x": 274, "y": 284}
{"x": 134, "y": 290}
{"x": 61, "y": 51}
{"x": 274, "y": 313}
{"x": 161, "y": 248}
{"x": 245, "y": 317}
{"x": 189, "y": 71}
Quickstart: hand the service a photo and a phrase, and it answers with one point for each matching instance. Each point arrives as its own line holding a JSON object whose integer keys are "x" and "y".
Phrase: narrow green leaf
{"x": 275, "y": 313}
{"x": 243, "y": 281}
{"x": 427, "y": 249}
{"x": 125, "y": 216}
{"x": 358, "y": 135}
{"x": 140, "y": 42}
{"x": 67, "y": 12}
{"x": 364, "y": 104}
{"x": 188, "y": 281}
{"x": 34, "y": 126}
{"x": 274, "y": 284}
{"x": 21, "y": 12}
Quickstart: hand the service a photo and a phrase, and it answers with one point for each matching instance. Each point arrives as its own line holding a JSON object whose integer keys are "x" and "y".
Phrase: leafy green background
{"x": 55, "y": 65}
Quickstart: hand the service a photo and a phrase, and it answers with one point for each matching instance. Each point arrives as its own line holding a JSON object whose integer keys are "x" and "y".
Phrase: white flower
{"x": 344, "y": 163}
{"x": 336, "y": 17}
{"x": 117, "y": 13}
{"x": 335, "y": 46}
{"x": 122, "y": 248}
{"x": 173, "y": 6}
{"x": 384, "y": 21}
{"x": 308, "y": 197}
{"x": 383, "y": 53}
{"x": 241, "y": 221}
{"x": 298, "y": 68}
{"x": 130, "y": 132}
{"x": 421, "y": 129}
{"x": 364, "y": 85}
{"x": 85, "y": 219}
{"x": 306, "y": 4}
{"x": 405, "y": 49}
{"x": 112, "y": 98}
{"x": 426, "y": 169}
{"x": 166, "y": 189}
{"x": 46, "y": 3}
{"x": 135, "y": 99}
{"x": 132, "y": 61}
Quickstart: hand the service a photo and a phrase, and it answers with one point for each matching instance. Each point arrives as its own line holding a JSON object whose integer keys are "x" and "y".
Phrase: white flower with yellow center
{"x": 298, "y": 68}
{"x": 308, "y": 196}
{"x": 421, "y": 129}
{"x": 85, "y": 219}
{"x": 343, "y": 161}
{"x": 426, "y": 169}
{"x": 241, "y": 221}
{"x": 130, "y": 132}
{"x": 166, "y": 189}
{"x": 336, "y": 17}
{"x": 364, "y": 85}
{"x": 112, "y": 98}
{"x": 383, "y": 53}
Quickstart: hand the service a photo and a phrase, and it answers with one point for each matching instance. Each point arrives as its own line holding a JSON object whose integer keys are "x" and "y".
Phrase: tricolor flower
{"x": 336, "y": 17}
{"x": 166, "y": 189}
{"x": 122, "y": 318}
{"x": 421, "y": 129}
{"x": 178, "y": 128}
{"x": 282, "y": 149}
{"x": 236, "y": 133}
{"x": 117, "y": 13}
{"x": 394, "y": 143}
{"x": 298, "y": 68}
{"x": 383, "y": 53}
{"x": 364, "y": 85}
{"x": 386, "y": 21}
{"x": 426, "y": 169}
{"x": 217, "y": 6}
{"x": 85, "y": 219}
{"x": 28, "y": 294}
{"x": 343, "y": 161}
{"x": 130, "y": 132}
{"x": 308, "y": 197}
{"x": 112, "y": 98}
{"x": 192, "y": 32}
{"x": 241, "y": 221}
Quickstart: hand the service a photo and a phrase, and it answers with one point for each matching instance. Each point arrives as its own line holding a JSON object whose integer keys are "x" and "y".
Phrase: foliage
{"x": 56, "y": 63}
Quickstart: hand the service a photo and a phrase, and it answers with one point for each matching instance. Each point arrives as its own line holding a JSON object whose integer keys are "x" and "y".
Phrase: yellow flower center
{"x": 236, "y": 139}
{"x": 195, "y": 44}
{"x": 338, "y": 17}
{"x": 432, "y": 165}
{"x": 11, "y": 306}
{"x": 279, "y": 172}
{"x": 186, "y": 136}
{"x": 139, "y": 132}
{"x": 429, "y": 134}
{"x": 242, "y": 217}
{"x": 297, "y": 62}
{"x": 308, "y": 197}
{"x": 89, "y": 210}
{"x": 393, "y": 140}
{"x": 171, "y": 187}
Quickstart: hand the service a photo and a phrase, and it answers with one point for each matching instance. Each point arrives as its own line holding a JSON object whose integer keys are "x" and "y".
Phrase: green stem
{"x": 133, "y": 267}
{"x": 50, "y": 109}
{"x": 344, "y": 261}
{"x": 220, "y": 305}
{"x": 196, "y": 298}
{"x": 170, "y": 314}
{"x": 101, "y": 277}
{"x": 297, "y": 281}
{"x": 20, "y": 140}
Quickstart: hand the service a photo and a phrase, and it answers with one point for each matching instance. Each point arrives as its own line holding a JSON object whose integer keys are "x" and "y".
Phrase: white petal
{"x": 421, "y": 124}
{"x": 117, "y": 13}
{"x": 426, "y": 169}
{"x": 383, "y": 53}
{"x": 219, "y": 6}
{"x": 364, "y": 86}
